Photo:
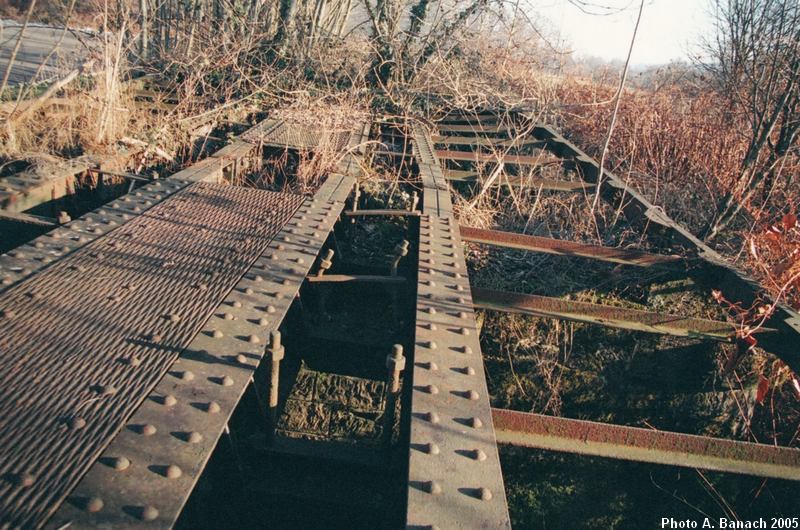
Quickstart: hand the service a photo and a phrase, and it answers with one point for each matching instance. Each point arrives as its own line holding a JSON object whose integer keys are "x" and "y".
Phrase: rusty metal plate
{"x": 99, "y": 328}
{"x": 645, "y": 445}
{"x": 189, "y": 415}
{"x": 455, "y": 480}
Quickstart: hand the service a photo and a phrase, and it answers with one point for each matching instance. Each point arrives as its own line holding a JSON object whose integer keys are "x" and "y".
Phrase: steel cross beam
{"x": 615, "y": 317}
{"x": 520, "y": 181}
{"x": 645, "y": 445}
{"x": 566, "y": 248}
{"x": 455, "y": 480}
{"x": 499, "y": 157}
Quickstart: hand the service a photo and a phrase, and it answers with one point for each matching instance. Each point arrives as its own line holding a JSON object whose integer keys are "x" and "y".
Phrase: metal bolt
{"x": 431, "y": 448}
{"x": 119, "y": 463}
{"x": 148, "y": 429}
{"x": 431, "y": 389}
{"x": 173, "y": 471}
{"x": 241, "y": 359}
{"x": 484, "y": 494}
{"x": 432, "y": 487}
{"x": 466, "y": 350}
{"x": 148, "y": 513}
{"x": 93, "y": 504}
{"x": 170, "y": 400}
{"x": 478, "y": 455}
{"x": 227, "y": 381}
{"x": 228, "y": 316}
{"x": 263, "y": 321}
{"x": 194, "y": 437}
{"x": 213, "y": 407}
{"x": 236, "y": 303}
{"x": 475, "y": 423}
{"x": 217, "y": 334}
{"x": 471, "y": 395}
{"x": 253, "y": 339}
{"x": 431, "y": 417}
{"x": 186, "y": 375}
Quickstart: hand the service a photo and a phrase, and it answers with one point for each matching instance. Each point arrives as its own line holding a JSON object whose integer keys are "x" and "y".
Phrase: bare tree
{"x": 755, "y": 62}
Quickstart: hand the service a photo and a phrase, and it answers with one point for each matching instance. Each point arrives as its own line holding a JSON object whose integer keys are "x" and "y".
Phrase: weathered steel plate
{"x": 99, "y": 328}
{"x": 455, "y": 480}
{"x": 645, "y": 445}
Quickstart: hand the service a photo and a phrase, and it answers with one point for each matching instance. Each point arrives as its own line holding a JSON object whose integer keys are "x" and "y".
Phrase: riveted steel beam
{"x": 188, "y": 414}
{"x": 615, "y": 317}
{"x": 382, "y": 213}
{"x": 455, "y": 479}
{"x": 645, "y": 445}
{"x": 567, "y": 248}
{"x": 487, "y": 142}
{"x": 355, "y": 278}
{"x": 476, "y": 128}
{"x": 190, "y": 407}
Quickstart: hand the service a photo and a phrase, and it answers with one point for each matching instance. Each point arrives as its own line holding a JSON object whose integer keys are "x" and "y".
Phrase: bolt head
{"x": 173, "y": 471}
{"x": 93, "y": 504}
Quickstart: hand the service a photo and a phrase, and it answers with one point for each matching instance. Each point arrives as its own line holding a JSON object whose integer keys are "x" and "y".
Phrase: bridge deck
{"x": 86, "y": 339}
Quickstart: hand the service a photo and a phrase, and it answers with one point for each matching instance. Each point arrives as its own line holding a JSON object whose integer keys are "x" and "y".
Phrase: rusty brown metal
{"x": 487, "y": 142}
{"x": 520, "y": 181}
{"x": 616, "y": 317}
{"x": 355, "y": 278}
{"x": 100, "y": 327}
{"x": 382, "y": 213}
{"x": 645, "y": 445}
{"x": 541, "y": 159}
{"x": 567, "y": 248}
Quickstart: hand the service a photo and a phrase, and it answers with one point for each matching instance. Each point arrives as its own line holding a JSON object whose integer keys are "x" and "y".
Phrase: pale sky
{"x": 669, "y": 29}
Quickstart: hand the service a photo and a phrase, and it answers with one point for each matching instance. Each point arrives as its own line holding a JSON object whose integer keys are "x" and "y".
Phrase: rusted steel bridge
{"x": 131, "y": 335}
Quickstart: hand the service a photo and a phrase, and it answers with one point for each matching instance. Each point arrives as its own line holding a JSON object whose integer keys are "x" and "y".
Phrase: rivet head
{"x": 76, "y": 423}
{"x": 431, "y": 449}
{"x": 236, "y": 303}
{"x": 186, "y": 375}
{"x": 241, "y": 359}
{"x": 431, "y": 417}
{"x": 484, "y": 494}
{"x": 430, "y": 389}
{"x": 170, "y": 400}
{"x": 226, "y": 381}
{"x": 119, "y": 463}
{"x": 468, "y": 370}
{"x": 148, "y": 429}
{"x": 478, "y": 455}
{"x": 93, "y": 504}
{"x": 229, "y": 316}
{"x": 148, "y": 513}
{"x": 217, "y": 334}
{"x": 432, "y": 487}
{"x": 432, "y": 310}
{"x": 466, "y": 350}
{"x": 213, "y": 407}
{"x": 475, "y": 423}
{"x": 258, "y": 278}
{"x": 432, "y": 345}
{"x": 270, "y": 309}
{"x": 194, "y": 437}
{"x": 173, "y": 471}
{"x": 472, "y": 395}
{"x": 248, "y": 290}
{"x": 253, "y": 339}
{"x": 263, "y": 321}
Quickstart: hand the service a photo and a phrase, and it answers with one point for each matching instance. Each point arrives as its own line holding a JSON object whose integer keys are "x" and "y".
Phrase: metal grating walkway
{"x": 83, "y": 342}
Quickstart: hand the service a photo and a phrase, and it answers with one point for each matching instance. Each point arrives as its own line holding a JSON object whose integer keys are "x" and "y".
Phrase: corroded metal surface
{"x": 190, "y": 414}
{"x": 280, "y": 133}
{"x": 455, "y": 480}
{"x": 540, "y": 159}
{"x": 565, "y": 248}
{"x": 99, "y": 328}
{"x": 645, "y": 445}
{"x": 619, "y": 317}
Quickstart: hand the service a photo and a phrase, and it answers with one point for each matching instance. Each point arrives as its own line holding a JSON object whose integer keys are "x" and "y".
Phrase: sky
{"x": 669, "y": 30}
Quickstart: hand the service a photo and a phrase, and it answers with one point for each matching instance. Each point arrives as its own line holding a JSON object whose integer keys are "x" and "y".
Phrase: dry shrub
{"x": 672, "y": 144}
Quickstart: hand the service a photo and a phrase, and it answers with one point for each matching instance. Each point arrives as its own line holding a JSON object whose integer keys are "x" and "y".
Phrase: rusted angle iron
{"x": 476, "y": 128}
{"x": 355, "y": 278}
{"x": 519, "y": 181}
{"x": 567, "y": 248}
{"x": 377, "y": 213}
{"x": 487, "y": 142}
{"x": 645, "y": 445}
{"x": 475, "y": 156}
{"x": 615, "y": 317}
